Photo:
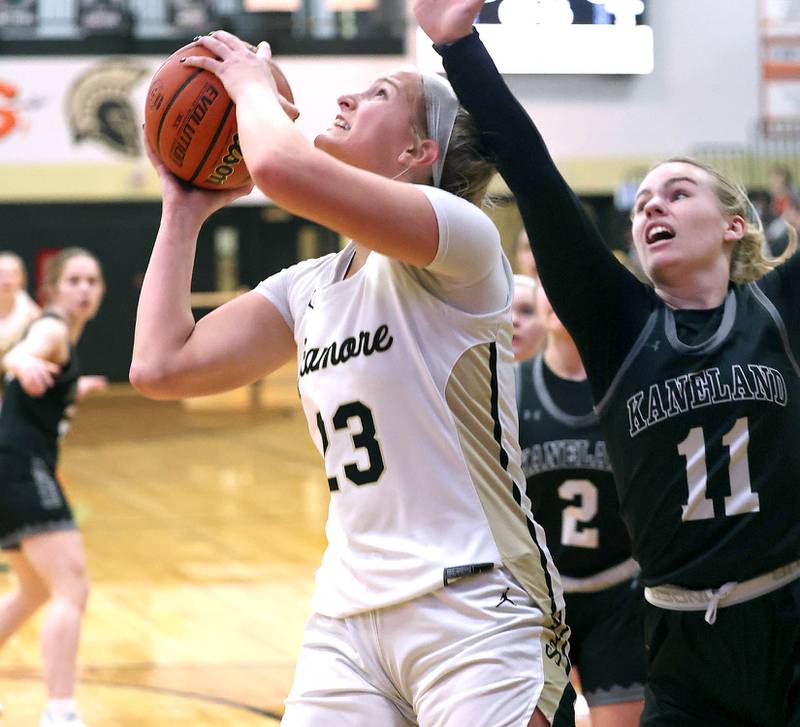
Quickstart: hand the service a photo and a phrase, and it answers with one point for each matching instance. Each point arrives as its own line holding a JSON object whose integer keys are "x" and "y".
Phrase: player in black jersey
{"x": 697, "y": 383}
{"x": 570, "y": 483}
{"x": 37, "y": 530}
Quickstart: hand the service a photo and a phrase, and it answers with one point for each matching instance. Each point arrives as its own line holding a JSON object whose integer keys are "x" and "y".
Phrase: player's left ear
{"x": 736, "y": 229}
{"x": 422, "y": 153}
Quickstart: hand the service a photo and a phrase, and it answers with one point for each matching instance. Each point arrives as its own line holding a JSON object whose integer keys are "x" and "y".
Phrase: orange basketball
{"x": 190, "y": 122}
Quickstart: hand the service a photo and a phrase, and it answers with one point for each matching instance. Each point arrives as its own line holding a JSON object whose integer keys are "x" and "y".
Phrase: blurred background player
{"x": 528, "y": 329}
{"x": 403, "y": 344}
{"x": 781, "y": 189}
{"x": 37, "y": 529}
{"x": 17, "y": 308}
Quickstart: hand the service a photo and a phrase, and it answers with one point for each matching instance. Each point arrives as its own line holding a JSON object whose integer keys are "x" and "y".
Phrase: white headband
{"x": 525, "y": 281}
{"x": 441, "y": 108}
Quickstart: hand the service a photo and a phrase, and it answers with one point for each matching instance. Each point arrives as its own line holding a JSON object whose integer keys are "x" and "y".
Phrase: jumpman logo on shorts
{"x": 505, "y": 599}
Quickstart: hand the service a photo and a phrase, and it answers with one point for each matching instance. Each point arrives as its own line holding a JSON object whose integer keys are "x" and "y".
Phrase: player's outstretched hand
{"x": 36, "y": 375}
{"x": 446, "y": 21}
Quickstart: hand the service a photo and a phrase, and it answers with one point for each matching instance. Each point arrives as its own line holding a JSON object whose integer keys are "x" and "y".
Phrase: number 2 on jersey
{"x": 365, "y": 439}
{"x": 574, "y": 518}
{"x": 742, "y": 498}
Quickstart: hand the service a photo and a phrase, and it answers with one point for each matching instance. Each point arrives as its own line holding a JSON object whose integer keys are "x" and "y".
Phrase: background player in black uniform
{"x": 570, "y": 483}
{"x": 528, "y": 329}
{"x": 697, "y": 382}
{"x": 44, "y": 549}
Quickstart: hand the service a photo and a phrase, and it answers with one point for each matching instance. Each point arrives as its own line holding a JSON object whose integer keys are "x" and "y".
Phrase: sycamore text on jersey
{"x": 677, "y": 395}
{"x": 333, "y": 354}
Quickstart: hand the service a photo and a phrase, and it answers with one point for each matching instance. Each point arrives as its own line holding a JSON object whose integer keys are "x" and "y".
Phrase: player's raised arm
{"x": 565, "y": 241}
{"x": 172, "y": 356}
{"x": 358, "y": 198}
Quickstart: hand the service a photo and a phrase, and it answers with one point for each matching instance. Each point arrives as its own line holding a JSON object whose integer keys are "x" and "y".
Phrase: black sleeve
{"x": 602, "y": 304}
{"x": 782, "y": 287}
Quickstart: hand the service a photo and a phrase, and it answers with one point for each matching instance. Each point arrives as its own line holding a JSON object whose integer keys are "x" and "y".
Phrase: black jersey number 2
{"x": 742, "y": 498}
{"x": 583, "y": 505}
{"x": 365, "y": 439}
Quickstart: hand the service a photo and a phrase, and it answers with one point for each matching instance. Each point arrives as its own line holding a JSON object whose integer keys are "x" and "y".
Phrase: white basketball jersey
{"x": 411, "y": 402}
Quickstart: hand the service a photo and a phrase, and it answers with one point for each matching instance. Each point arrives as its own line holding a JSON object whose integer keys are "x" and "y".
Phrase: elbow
{"x": 151, "y": 381}
{"x": 275, "y": 174}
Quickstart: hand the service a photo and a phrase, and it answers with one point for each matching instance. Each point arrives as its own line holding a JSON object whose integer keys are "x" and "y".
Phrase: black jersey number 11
{"x": 742, "y": 498}
{"x": 365, "y": 439}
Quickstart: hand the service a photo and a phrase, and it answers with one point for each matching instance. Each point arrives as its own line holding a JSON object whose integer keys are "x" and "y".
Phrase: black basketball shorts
{"x": 742, "y": 670}
{"x": 607, "y": 643}
{"x": 31, "y": 499}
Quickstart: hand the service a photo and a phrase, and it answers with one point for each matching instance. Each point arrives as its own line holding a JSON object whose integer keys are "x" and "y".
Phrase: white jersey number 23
{"x": 365, "y": 439}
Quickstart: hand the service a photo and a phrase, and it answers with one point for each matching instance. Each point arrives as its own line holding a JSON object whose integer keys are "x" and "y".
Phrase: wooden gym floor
{"x": 204, "y": 524}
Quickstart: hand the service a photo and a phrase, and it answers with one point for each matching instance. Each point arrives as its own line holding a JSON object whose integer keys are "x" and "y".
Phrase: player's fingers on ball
{"x": 215, "y": 45}
{"x": 264, "y": 51}
{"x": 208, "y": 64}
{"x": 228, "y": 39}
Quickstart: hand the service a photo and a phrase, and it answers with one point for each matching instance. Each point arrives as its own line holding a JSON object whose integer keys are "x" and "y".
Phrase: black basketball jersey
{"x": 33, "y": 425}
{"x": 705, "y": 442}
{"x": 568, "y": 472}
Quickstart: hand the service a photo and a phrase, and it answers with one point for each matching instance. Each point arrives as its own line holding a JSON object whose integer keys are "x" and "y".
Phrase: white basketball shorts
{"x": 478, "y": 652}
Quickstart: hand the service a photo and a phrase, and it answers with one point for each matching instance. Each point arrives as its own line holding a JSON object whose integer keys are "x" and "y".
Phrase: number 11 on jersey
{"x": 742, "y": 498}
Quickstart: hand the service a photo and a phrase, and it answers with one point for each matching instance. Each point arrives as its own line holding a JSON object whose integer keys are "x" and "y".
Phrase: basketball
{"x": 190, "y": 122}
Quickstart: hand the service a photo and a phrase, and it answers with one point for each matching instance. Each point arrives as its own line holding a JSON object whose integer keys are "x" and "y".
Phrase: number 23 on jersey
{"x": 364, "y": 438}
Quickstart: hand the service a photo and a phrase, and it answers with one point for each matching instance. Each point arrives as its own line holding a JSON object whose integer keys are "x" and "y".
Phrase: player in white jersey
{"x": 434, "y": 605}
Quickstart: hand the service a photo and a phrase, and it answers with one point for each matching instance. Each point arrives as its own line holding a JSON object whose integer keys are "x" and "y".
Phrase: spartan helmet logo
{"x": 99, "y": 106}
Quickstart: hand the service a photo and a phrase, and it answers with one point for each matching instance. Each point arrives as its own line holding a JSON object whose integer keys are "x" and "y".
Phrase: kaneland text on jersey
{"x": 335, "y": 353}
{"x": 562, "y": 454}
{"x": 686, "y": 392}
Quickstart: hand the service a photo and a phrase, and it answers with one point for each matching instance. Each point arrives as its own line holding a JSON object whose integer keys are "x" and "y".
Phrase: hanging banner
{"x": 90, "y": 109}
{"x": 72, "y": 110}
